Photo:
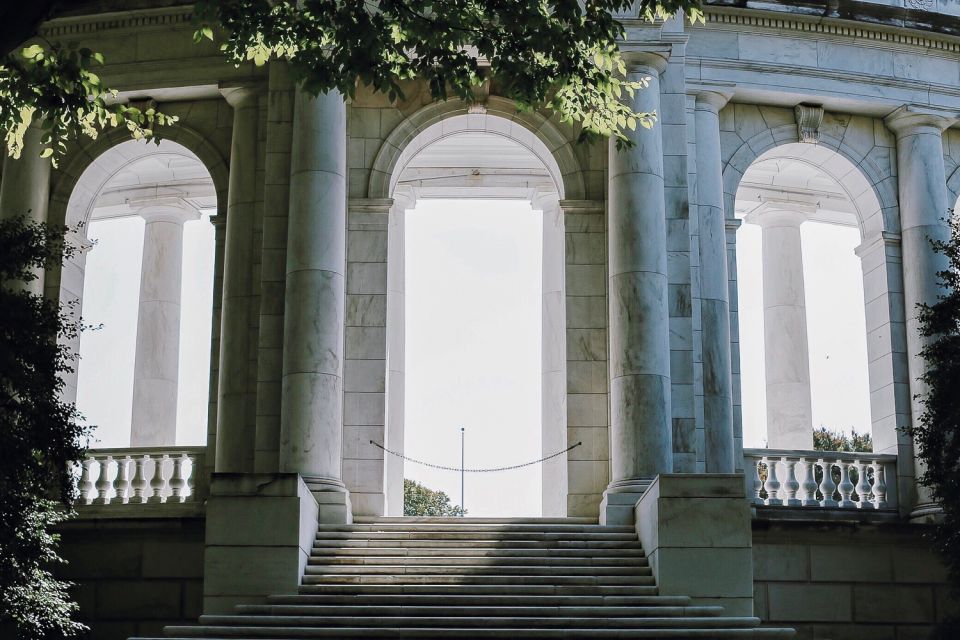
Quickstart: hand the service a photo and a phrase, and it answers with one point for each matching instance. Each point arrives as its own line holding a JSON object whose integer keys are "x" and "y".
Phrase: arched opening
{"x": 817, "y": 328}
{"x": 145, "y": 283}
{"x": 475, "y": 238}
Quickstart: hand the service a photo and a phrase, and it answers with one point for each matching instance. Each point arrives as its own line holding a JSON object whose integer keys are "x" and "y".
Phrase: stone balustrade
{"x": 152, "y": 475}
{"x": 824, "y": 479}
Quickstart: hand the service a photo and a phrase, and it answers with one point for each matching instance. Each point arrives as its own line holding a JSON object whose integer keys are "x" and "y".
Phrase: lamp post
{"x": 462, "y": 509}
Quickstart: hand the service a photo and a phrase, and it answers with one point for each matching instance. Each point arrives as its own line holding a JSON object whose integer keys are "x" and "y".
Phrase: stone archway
{"x": 395, "y": 185}
{"x": 867, "y": 197}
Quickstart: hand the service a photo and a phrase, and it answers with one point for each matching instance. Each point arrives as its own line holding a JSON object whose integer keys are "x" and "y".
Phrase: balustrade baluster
{"x": 192, "y": 479}
{"x": 863, "y": 485}
{"x": 139, "y": 481}
{"x": 85, "y": 485}
{"x": 827, "y": 485}
{"x": 790, "y": 484}
{"x": 757, "y": 483}
{"x": 103, "y": 482}
{"x": 157, "y": 482}
{"x": 176, "y": 480}
{"x": 879, "y": 485}
{"x": 846, "y": 486}
{"x": 121, "y": 484}
{"x": 772, "y": 485}
{"x": 808, "y": 484}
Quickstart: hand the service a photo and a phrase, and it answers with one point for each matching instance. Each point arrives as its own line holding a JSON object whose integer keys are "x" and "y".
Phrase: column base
{"x": 333, "y": 500}
{"x": 619, "y": 499}
{"x": 926, "y": 513}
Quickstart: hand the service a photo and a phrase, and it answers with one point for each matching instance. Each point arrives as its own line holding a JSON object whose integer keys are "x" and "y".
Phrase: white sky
{"x": 473, "y": 340}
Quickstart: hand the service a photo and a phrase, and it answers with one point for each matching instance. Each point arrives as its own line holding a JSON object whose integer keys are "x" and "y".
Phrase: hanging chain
{"x": 439, "y": 466}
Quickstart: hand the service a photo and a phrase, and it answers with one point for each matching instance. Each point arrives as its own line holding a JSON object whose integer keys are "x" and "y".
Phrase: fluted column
{"x": 786, "y": 352}
{"x": 641, "y": 442}
{"x": 235, "y": 428}
{"x": 923, "y": 211}
{"x": 311, "y": 415}
{"x": 154, "y": 418}
{"x": 25, "y": 187}
{"x": 714, "y": 287}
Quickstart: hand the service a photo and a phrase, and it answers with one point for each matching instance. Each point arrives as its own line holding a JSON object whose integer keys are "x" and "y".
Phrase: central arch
{"x": 507, "y": 155}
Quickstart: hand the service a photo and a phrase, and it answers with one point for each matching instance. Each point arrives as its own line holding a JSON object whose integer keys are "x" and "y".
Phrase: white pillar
{"x": 154, "y": 418}
{"x": 714, "y": 288}
{"x": 311, "y": 414}
{"x": 923, "y": 211}
{"x": 235, "y": 428}
{"x": 25, "y": 187}
{"x": 403, "y": 199}
{"x": 641, "y": 439}
{"x": 786, "y": 353}
{"x": 553, "y": 356}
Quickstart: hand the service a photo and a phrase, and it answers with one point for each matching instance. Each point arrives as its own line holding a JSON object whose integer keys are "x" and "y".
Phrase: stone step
{"x": 479, "y": 611}
{"x": 434, "y": 569}
{"x": 414, "y": 633}
{"x": 468, "y": 552}
{"x": 468, "y": 519}
{"x": 498, "y": 579}
{"x": 490, "y": 543}
{"x": 446, "y": 590}
{"x": 492, "y": 599}
{"x": 458, "y": 527}
{"x": 478, "y": 561}
{"x": 300, "y": 626}
{"x": 479, "y": 535}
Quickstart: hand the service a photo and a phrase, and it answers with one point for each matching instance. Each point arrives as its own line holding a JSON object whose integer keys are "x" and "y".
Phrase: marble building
{"x": 770, "y": 114}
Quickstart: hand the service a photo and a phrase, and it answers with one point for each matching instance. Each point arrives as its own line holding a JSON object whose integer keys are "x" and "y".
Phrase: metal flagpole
{"x": 462, "y": 509}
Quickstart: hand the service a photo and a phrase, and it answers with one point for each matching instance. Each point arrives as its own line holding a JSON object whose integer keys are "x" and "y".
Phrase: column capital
{"x": 880, "y": 239}
{"x": 652, "y": 61}
{"x": 175, "y": 210}
{"x": 404, "y": 198}
{"x": 546, "y": 200}
{"x": 242, "y": 95}
{"x": 711, "y": 98}
{"x": 780, "y": 214}
{"x": 911, "y": 118}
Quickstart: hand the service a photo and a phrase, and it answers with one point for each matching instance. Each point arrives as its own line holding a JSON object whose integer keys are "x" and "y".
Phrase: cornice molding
{"x": 840, "y": 28}
{"x": 118, "y": 20}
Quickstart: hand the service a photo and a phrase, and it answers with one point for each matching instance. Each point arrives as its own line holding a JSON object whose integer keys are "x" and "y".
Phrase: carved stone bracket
{"x": 809, "y": 118}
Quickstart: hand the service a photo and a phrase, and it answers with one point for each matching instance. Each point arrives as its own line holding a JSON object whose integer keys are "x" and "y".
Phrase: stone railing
{"x": 823, "y": 479}
{"x": 152, "y": 475}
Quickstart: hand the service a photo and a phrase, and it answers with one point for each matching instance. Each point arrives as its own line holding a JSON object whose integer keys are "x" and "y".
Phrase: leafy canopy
{"x": 41, "y": 437}
{"x": 56, "y": 88}
{"x": 561, "y": 54}
{"x": 418, "y": 500}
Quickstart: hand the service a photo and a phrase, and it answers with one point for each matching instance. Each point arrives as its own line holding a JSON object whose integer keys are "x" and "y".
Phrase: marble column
{"x": 25, "y": 187}
{"x": 553, "y": 388}
{"x": 714, "y": 287}
{"x": 155, "y": 369}
{"x": 786, "y": 353}
{"x": 924, "y": 207}
{"x": 641, "y": 440}
{"x": 311, "y": 414}
{"x": 403, "y": 200}
{"x": 235, "y": 430}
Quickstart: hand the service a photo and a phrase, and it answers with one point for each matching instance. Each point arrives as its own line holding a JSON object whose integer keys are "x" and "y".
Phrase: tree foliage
{"x": 56, "y": 88}
{"x": 828, "y": 440}
{"x": 418, "y": 500}
{"x": 41, "y": 437}
{"x": 560, "y": 54}
{"x": 937, "y": 433}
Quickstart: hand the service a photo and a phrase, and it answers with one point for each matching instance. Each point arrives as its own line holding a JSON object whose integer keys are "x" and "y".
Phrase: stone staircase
{"x": 476, "y": 578}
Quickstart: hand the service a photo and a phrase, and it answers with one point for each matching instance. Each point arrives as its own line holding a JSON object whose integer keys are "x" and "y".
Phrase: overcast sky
{"x": 473, "y": 340}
